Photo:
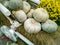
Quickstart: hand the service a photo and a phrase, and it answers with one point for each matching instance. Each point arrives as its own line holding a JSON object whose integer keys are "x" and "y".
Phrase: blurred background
{"x": 41, "y": 38}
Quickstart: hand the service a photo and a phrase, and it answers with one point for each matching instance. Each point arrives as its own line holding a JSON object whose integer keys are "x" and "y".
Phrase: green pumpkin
{"x": 1, "y": 1}
{"x": 6, "y": 3}
{"x": 14, "y": 44}
{"x": 15, "y": 4}
{"x": 49, "y": 26}
{"x": 11, "y": 43}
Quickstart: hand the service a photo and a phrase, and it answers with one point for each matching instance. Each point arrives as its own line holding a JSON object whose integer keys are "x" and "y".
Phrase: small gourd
{"x": 26, "y": 7}
{"x": 32, "y": 26}
{"x": 30, "y": 14}
{"x": 49, "y": 26}
{"x": 40, "y": 14}
{"x": 20, "y": 15}
{"x": 15, "y": 4}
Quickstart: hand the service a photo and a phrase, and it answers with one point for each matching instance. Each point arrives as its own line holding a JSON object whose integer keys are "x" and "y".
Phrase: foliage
{"x": 53, "y": 8}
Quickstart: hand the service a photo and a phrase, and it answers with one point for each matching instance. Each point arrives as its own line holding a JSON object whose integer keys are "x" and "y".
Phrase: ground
{"x": 41, "y": 38}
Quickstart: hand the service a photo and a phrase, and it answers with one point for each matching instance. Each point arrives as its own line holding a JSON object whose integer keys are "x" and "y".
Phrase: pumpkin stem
{"x": 32, "y": 21}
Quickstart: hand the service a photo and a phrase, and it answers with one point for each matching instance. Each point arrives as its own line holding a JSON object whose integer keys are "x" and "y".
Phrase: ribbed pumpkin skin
{"x": 40, "y": 15}
{"x": 26, "y": 6}
{"x": 20, "y": 15}
{"x": 49, "y": 26}
{"x": 31, "y": 26}
{"x": 15, "y": 4}
{"x": 30, "y": 14}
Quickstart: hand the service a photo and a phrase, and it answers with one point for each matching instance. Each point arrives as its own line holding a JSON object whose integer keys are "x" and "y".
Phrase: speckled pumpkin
{"x": 49, "y": 26}
{"x": 15, "y": 4}
{"x": 40, "y": 15}
{"x": 20, "y": 15}
{"x": 32, "y": 26}
{"x": 26, "y": 6}
{"x": 30, "y": 14}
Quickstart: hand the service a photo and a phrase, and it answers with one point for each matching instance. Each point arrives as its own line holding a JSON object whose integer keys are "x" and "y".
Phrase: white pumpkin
{"x": 30, "y": 14}
{"x": 26, "y": 6}
{"x": 20, "y": 15}
{"x": 40, "y": 15}
{"x": 49, "y": 26}
{"x": 32, "y": 26}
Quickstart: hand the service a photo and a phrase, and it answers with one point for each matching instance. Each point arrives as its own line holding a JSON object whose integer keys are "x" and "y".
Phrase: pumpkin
{"x": 40, "y": 15}
{"x": 15, "y": 4}
{"x": 29, "y": 15}
{"x": 20, "y": 15}
{"x": 10, "y": 43}
{"x": 26, "y": 6}
{"x": 32, "y": 26}
{"x": 36, "y": 1}
{"x": 49, "y": 26}
{"x": 2, "y": 1}
{"x": 6, "y": 3}
{"x": 1, "y": 34}
{"x": 14, "y": 44}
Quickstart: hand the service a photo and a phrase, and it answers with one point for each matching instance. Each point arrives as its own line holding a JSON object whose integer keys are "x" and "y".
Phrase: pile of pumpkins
{"x": 34, "y": 20}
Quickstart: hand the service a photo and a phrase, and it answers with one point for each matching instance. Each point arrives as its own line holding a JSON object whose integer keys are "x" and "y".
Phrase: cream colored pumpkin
{"x": 40, "y": 15}
{"x": 20, "y": 15}
{"x": 26, "y": 6}
{"x": 49, "y": 26}
{"x": 32, "y": 26}
{"x": 30, "y": 14}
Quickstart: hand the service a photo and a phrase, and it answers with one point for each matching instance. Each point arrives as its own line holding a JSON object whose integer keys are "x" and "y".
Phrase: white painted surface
{"x": 24, "y": 39}
{"x": 4, "y": 10}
